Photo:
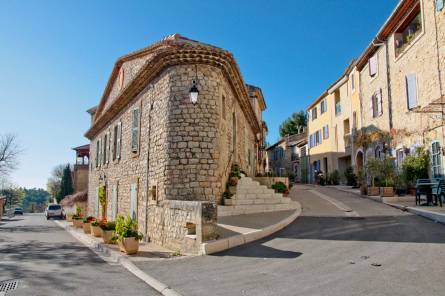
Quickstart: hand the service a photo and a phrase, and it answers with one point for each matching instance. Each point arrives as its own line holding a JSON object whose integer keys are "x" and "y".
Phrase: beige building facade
{"x": 162, "y": 158}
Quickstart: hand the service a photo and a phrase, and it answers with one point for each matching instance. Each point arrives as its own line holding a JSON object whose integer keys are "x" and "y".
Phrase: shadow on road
{"x": 260, "y": 251}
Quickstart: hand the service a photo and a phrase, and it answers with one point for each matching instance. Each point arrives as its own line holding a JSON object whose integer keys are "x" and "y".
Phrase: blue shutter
{"x": 411, "y": 90}
{"x": 439, "y": 5}
{"x": 134, "y": 201}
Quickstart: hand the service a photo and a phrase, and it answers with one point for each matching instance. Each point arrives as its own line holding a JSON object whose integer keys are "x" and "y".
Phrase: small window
{"x": 373, "y": 65}
{"x": 346, "y": 127}
{"x": 376, "y": 104}
{"x": 411, "y": 91}
{"x": 323, "y": 106}
{"x": 326, "y": 132}
{"x": 337, "y": 103}
{"x": 314, "y": 113}
{"x": 135, "y": 131}
{"x": 408, "y": 30}
{"x": 223, "y": 107}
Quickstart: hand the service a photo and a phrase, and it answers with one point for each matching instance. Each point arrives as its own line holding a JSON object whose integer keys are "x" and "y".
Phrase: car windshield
{"x": 54, "y": 207}
{"x": 18, "y": 209}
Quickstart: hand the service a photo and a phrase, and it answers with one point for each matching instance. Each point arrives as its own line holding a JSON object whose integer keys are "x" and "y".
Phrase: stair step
{"x": 264, "y": 201}
{"x": 255, "y": 208}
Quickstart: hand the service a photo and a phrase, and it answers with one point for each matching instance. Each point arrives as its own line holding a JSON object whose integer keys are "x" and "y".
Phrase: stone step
{"x": 255, "y": 208}
{"x": 266, "y": 201}
{"x": 256, "y": 195}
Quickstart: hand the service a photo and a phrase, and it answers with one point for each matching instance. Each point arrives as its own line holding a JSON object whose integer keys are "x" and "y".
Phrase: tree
{"x": 14, "y": 195}
{"x": 9, "y": 152}
{"x": 54, "y": 182}
{"x": 294, "y": 124}
{"x": 35, "y": 199}
{"x": 66, "y": 184}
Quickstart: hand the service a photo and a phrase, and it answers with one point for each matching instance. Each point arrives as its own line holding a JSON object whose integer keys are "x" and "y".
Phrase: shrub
{"x": 95, "y": 223}
{"x": 88, "y": 219}
{"x": 334, "y": 178}
{"x": 351, "y": 178}
{"x": 127, "y": 227}
{"x": 416, "y": 166}
{"x": 279, "y": 187}
{"x": 381, "y": 171}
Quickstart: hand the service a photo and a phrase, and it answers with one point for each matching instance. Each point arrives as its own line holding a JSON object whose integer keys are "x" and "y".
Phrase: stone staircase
{"x": 251, "y": 197}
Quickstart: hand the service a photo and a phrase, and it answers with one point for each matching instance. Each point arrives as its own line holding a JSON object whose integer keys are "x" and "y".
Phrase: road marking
{"x": 338, "y": 204}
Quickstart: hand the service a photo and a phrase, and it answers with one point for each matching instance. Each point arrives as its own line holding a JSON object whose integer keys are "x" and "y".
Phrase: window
{"x": 105, "y": 148}
{"x": 408, "y": 30}
{"x": 411, "y": 90}
{"x": 337, "y": 103}
{"x": 323, "y": 106}
{"x": 223, "y": 107}
{"x": 378, "y": 152}
{"x": 135, "y": 131}
{"x": 352, "y": 82}
{"x": 326, "y": 132}
{"x": 346, "y": 127}
{"x": 376, "y": 104}
{"x": 97, "y": 153}
{"x": 114, "y": 149}
{"x": 400, "y": 156}
{"x": 436, "y": 159}
{"x": 119, "y": 140}
{"x": 373, "y": 65}
{"x": 314, "y": 113}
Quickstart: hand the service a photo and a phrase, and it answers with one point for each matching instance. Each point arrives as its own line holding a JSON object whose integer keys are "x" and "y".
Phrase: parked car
{"x": 18, "y": 211}
{"x": 54, "y": 210}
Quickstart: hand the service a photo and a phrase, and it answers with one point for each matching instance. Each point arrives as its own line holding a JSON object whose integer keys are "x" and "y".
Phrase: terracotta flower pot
{"x": 373, "y": 191}
{"x": 129, "y": 245}
{"x": 96, "y": 231}
{"x": 87, "y": 227}
{"x": 387, "y": 192}
{"x": 363, "y": 190}
{"x": 77, "y": 223}
{"x": 69, "y": 218}
{"x": 107, "y": 236}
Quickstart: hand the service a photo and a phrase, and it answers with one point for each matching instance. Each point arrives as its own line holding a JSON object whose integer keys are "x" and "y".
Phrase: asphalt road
{"x": 372, "y": 249}
{"x": 48, "y": 261}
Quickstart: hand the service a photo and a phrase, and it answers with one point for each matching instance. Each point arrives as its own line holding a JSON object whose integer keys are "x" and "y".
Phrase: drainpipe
{"x": 388, "y": 77}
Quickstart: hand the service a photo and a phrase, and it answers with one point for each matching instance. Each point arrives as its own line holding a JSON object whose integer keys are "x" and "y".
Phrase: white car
{"x": 54, "y": 210}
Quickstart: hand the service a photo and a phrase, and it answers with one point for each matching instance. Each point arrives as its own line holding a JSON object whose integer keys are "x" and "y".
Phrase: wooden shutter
{"x": 373, "y": 65}
{"x": 114, "y": 202}
{"x": 411, "y": 90}
{"x": 100, "y": 151}
{"x": 379, "y": 102}
{"x": 112, "y": 145}
{"x": 119, "y": 140}
{"x": 97, "y": 153}
{"x": 134, "y": 201}
{"x": 135, "y": 131}
{"x": 108, "y": 146}
{"x": 439, "y": 5}
{"x": 371, "y": 106}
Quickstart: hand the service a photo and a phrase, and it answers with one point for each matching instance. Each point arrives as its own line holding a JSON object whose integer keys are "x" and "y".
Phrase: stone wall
{"x": 269, "y": 181}
{"x": 184, "y": 151}
{"x": 80, "y": 177}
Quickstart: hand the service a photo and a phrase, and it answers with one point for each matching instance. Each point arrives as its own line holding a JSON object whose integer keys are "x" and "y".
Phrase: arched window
{"x": 378, "y": 152}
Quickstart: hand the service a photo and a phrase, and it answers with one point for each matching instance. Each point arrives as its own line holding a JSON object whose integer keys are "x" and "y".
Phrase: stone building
{"x": 162, "y": 158}
{"x": 402, "y": 83}
{"x": 284, "y": 158}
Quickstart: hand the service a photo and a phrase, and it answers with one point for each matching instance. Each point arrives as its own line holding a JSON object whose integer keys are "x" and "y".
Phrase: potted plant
{"x": 96, "y": 231}
{"x": 387, "y": 172}
{"x": 279, "y": 187}
{"x": 351, "y": 178}
{"x": 127, "y": 234}
{"x": 102, "y": 199}
{"x": 77, "y": 218}
{"x": 334, "y": 178}
{"x": 86, "y": 225}
{"x": 373, "y": 167}
{"x": 415, "y": 166}
{"x": 108, "y": 231}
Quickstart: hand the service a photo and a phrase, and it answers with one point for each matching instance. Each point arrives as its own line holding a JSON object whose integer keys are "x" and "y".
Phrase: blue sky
{"x": 56, "y": 57}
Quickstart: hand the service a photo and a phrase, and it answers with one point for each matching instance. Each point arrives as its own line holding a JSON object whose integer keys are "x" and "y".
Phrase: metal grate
{"x": 7, "y": 286}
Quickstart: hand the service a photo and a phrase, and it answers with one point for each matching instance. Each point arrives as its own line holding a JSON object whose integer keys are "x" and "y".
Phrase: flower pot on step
{"x": 77, "y": 223}
{"x": 87, "y": 227}
{"x": 387, "y": 192}
{"x": 129, "y": 245}
{"x": 232, "y": 189}
{"x": 373, "y": 191}
{"x": 107, "y": 236}
{"x": 96, "y": 231}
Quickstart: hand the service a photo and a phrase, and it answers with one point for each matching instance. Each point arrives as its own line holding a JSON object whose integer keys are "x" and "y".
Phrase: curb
{"x": 436, "y": 217}
{"x": 112, "y": 256}
{"x": 215, "y": 246}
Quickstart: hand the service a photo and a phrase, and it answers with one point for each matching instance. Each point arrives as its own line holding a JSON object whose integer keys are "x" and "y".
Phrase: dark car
{"x": 18, "y": 211}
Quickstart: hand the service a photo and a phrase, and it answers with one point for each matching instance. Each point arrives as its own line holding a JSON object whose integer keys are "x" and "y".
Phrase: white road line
{"x": 338, "y": 204}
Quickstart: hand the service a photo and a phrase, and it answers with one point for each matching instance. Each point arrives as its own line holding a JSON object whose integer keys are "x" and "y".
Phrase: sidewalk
{"x": 405, "y": 203}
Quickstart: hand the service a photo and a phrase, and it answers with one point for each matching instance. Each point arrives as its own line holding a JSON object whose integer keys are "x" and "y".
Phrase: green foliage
{"x": 88, "y": 219}
{"x": 351, "y": 178}
{"x": 14, "y": 196}
{"x": 108, "y": 226}
{"x": 66, "y": 184}
{"x": 35, "y": 199}
{"x": 381, "y": 171}
{"x": 279, "y": 187}
{"x": 95, "y": 223}
{"x": 416, "y": 166}
{"x": 127, "y": 227}
{"x": 102, "y": 195}
{"x": 293, "y": 124}
{"x": 334, "y": 177}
